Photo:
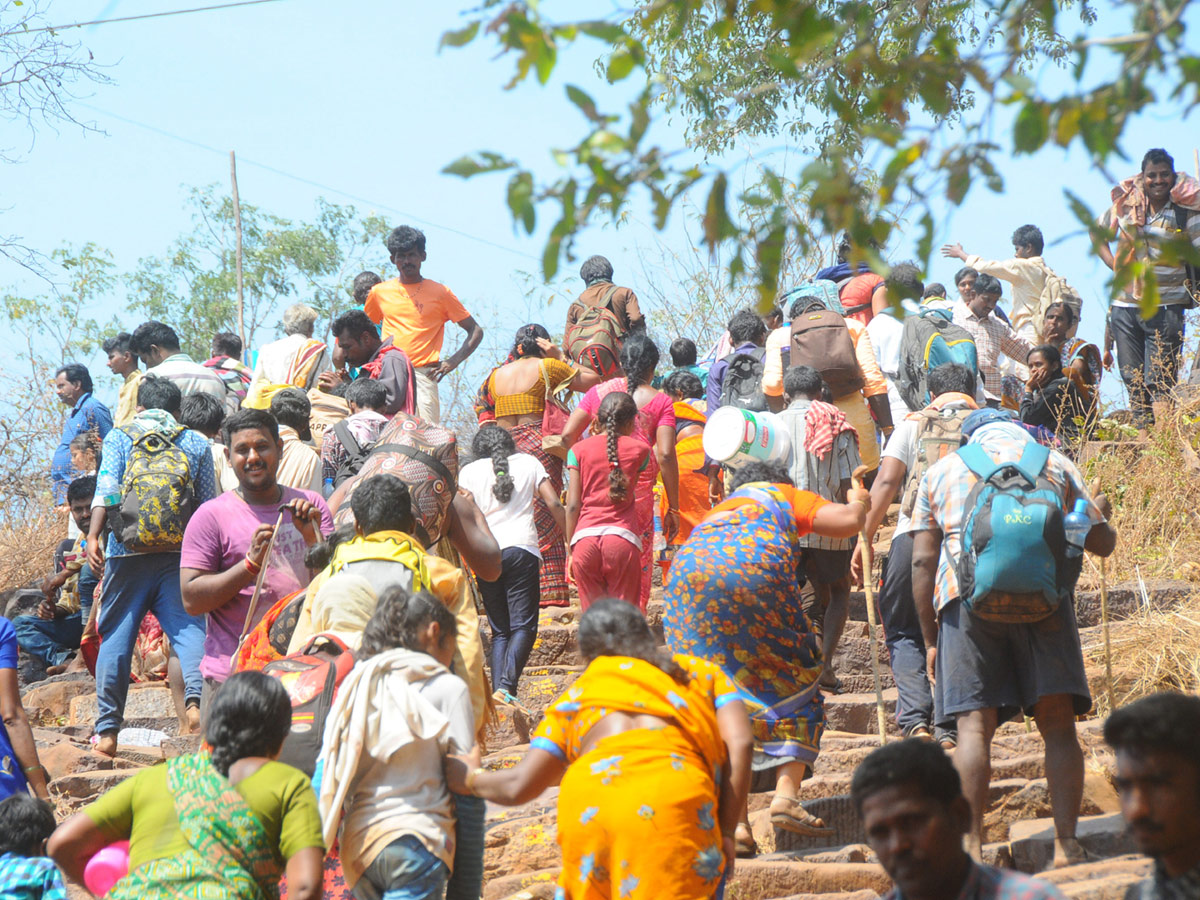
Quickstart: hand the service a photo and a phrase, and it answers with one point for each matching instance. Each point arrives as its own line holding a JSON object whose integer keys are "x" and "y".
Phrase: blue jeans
{"x": 403, "y": 870}
{"x": 55, "y": 641}
{"x": 512, "y": 610}
{"x": 1148, "y": 352}
{"x": 467, "y": 881}
{"x": 134, "y": 586}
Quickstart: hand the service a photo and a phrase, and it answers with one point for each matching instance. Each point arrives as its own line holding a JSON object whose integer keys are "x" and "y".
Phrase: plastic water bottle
{"x": 328, "y": 488}
{"x": 1077, "y": 525}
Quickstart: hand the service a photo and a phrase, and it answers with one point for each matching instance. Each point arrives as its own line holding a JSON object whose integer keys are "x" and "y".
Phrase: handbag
{"x": 554, "y": 420}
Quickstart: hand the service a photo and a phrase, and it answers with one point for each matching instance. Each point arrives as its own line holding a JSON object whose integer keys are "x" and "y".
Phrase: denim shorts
{"x": 1009, "y": 668}
{"x": 403, "y": 870}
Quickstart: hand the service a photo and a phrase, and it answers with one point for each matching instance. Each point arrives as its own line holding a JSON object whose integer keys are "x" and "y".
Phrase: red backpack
{"x": 594, "y": 340}
{"x": 311, "y": 678}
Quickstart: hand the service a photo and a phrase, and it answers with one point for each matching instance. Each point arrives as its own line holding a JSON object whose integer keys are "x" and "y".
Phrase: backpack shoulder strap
{"x": 342, "y": 430}
{"x": 978, "y": 461}
{"x": 420, "y": 456}
{"x": 607, "y": 298}
{"x": 1033, "y": 461}
{"x": 1181, "y": 224}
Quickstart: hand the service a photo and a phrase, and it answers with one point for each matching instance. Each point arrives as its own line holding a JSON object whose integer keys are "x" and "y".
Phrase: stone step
{"x": 1032, "y": 840}
{"x": 150, "y": 700}
{"x": 1107, "y": 879}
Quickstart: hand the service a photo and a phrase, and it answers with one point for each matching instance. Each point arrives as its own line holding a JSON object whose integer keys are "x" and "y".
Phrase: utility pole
{"x": 237, "y": 219}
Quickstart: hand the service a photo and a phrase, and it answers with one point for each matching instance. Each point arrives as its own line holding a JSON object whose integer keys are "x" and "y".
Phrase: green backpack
{"x": 157, "y": 496}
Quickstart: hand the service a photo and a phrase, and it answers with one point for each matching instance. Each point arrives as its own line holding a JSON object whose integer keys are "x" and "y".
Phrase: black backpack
{"x": 743, "y": 384}
{"x": 356, "y": 454}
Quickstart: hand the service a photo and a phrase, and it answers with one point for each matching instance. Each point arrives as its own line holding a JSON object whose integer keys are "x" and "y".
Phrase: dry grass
{"x": 1155, "y": 651}
{"x": 27, "y": 544}
{"x": 1154, "y": 486}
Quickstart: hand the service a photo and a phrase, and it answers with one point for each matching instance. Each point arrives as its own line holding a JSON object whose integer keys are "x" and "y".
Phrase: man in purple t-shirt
{"x": 225, "y": 544}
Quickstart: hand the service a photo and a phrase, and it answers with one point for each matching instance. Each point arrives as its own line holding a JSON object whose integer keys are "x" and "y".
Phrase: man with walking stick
{"x": 260, "y": 529}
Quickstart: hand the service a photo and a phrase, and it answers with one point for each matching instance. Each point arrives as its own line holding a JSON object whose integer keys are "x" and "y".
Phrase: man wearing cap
{"x": 986, "y": 672}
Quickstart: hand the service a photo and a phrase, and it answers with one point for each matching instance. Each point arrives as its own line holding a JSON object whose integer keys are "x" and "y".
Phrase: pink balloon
{"x": 106, "y": 868}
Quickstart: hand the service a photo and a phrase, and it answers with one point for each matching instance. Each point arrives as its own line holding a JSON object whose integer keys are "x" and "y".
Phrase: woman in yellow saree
{"x": 221, "y": 824}
{"x": 653, "y": 753}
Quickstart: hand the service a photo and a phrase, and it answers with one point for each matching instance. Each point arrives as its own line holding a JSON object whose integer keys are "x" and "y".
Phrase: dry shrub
{"x": 27, "y": 545}
{"x": 1154, "y": 486}
{"x": 1157, "y": 650}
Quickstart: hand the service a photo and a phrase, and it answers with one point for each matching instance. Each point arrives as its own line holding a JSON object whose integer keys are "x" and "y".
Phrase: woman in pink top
{"x": 602, "y": 516}
{"x": 655, "y": 427}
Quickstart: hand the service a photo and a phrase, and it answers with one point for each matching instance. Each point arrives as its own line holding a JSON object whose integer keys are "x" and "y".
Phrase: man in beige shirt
{"x": 300, "y": 464}
{"x": 122, "y": 361}
{"x": 597, "y": 274}
{"x": 1026, "y": 272}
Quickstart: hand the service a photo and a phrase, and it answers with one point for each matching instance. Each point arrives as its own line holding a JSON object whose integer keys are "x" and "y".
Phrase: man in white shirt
{"x": 296, "y": 357}
{"x": 886, "y": 328}
{"x": 1026, "y": 272}
{"x": 158, "y": 346}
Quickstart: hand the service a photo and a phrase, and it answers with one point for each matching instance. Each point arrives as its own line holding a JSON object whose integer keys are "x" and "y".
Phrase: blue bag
{"x": 1013, "y": 567}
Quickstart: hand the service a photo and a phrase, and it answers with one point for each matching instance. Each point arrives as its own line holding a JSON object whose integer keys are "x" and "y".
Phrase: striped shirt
{"x": 992, "y": 338}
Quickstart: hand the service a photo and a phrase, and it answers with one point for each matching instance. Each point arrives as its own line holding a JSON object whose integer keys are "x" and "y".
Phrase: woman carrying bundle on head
{"x": 603, "y": 525}
{"x": 653, "y": 755}
{"x": 654, "y": 426}
{"x": 504, "y": 485}
{"x": 515, "y": 396}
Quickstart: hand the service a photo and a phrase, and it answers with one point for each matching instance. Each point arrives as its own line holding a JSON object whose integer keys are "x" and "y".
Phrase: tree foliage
{"x": 912, "y": 87}
{"x": 193, "y": 286}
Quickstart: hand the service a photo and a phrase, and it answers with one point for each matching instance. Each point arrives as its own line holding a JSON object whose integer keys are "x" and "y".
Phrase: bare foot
{"x": 1069, "y": 852}
{"x": 192, "y": 723}
{"x": 55, "y": 670}
{"x": 106, "y": 744}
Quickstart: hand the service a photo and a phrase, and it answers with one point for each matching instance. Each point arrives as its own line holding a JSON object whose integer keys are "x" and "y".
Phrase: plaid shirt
{"x": 992, "y": 337}
{"x": 942, "y": 500}
{"x": 1161, "y": 887}
{"x": 30, "y": 878}
{"x": 989, "y": 883}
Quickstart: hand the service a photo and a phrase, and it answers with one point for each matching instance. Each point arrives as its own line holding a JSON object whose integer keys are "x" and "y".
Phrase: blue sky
{"x": 354, "y": 96}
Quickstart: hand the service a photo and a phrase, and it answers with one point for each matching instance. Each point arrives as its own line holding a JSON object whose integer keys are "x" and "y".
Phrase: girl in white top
{"x": 504, "y": 484}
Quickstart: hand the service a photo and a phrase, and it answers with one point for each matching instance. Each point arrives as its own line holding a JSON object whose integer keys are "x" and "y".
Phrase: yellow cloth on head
{"x": 342, "y": 608}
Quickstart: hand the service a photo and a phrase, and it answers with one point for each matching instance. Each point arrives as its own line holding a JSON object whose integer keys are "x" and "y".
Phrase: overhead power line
{"x": 157, "y": 15}
{"x": 244, "y": 160}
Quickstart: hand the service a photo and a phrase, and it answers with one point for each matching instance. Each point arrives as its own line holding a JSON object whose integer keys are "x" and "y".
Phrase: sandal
{"x": 744, "y": 844}
{"x": 798, "y": 820}
{"x": 825, "y": 683}
{"x": 920, "y": 732}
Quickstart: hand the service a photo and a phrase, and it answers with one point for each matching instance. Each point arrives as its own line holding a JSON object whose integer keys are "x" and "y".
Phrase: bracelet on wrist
{"x": 28, "y": 769}
{"x": 251, "y": 566}
{"x": 471, "y": 778}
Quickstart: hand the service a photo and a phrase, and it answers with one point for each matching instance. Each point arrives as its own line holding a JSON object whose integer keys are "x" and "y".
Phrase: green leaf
{"x": 478, "y": 164}
{"x": 520, "y": 200}
{"x": 717, "y": 224}
{"x": 459, "y": 38}
{"x": 585, "y": 103}
{"x": 620, "y": 65}
{"x": 1031, "y": 128}
{"x": 603, "y": 31}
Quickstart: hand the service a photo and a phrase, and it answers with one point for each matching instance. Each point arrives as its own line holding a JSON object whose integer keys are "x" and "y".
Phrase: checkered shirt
{"x": 989, "y": 883}
{"x": 30, "y": 878}
{"x": 992, "y": 338}
{"x": 942, "y": 500}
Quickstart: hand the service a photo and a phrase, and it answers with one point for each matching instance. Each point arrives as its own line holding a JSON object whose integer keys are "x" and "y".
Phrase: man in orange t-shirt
{"x": 413, "y": 312}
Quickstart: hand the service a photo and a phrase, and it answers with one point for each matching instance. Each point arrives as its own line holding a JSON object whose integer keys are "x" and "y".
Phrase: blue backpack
{"x": 930, "y": 339}
{"x": 1013, "y": 567}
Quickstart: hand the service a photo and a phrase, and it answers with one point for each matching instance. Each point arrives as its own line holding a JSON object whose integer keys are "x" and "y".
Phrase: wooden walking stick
{"x": 258, "y": 582}
{"x": 869, "y": 588}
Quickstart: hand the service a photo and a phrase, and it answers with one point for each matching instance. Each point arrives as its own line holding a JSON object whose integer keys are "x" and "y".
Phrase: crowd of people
{"x": 307, "y": 511}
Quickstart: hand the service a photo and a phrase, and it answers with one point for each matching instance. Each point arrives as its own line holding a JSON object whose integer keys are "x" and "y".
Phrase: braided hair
{"x": 639, "y": 356}
{"x": 616, "y": 628}
{"x": 250, "y": 716}
{"x": 616, "y": 411}
{"x": 492, "y": 440}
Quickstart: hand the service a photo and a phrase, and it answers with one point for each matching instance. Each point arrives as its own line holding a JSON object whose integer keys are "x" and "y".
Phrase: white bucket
{"x": 741, "y": 435}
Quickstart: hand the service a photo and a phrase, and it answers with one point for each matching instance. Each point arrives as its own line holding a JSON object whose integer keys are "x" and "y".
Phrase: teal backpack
{"x": 1013, "y": 567}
